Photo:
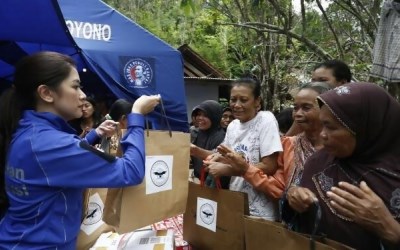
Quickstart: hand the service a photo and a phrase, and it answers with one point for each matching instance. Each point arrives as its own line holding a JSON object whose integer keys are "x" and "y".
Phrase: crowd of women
{"x": 341, "y": 154}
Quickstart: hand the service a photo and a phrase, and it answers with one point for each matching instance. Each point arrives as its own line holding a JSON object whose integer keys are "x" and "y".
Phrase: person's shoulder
{"x": 288, "y": 139}
{"x": 320, "y": 158}
{"x": 44, "y": 137}
{"x": 221, "y": 132}
{"x": 193, "y": 130}
{"x": 233, "y": 123}
{"x": 218, "y": 136}
{"x": 266, "y": 116}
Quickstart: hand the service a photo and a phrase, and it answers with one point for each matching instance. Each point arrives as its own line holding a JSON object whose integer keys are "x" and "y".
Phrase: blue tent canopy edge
{"x": 123, "y": 57}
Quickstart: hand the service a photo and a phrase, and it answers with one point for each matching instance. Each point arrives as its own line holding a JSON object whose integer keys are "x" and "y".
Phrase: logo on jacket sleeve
{"x": 138, "y": 73}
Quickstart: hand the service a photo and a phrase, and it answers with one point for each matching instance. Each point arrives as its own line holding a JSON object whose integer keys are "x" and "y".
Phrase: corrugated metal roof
{"x": 209, "y": 78}
{"x": 197, "y": 66}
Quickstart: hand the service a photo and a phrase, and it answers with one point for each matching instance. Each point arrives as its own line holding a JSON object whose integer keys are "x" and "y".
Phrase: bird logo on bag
{"x": 207, "y": 213}
{"x": 93, "y": 214}
{"x": 159, "y": 173}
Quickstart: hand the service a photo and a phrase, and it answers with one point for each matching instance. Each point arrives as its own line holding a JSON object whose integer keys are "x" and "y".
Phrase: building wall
{"x": 197, "y": 92}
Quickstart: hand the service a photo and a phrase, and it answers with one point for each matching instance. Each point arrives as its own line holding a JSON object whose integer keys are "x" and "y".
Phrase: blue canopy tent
{"x": 113, "y": 53}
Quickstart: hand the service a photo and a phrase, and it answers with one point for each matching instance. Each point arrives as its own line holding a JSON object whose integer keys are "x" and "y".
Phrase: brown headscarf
{"x": 373, "y": 116}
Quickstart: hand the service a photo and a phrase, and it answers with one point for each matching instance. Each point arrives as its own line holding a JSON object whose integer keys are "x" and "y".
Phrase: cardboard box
{"x": 176, "y": 224}
{"x": 138, "y": 240}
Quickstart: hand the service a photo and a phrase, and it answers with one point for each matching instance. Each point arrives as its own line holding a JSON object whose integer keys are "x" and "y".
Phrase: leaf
{"x": 185, "y": 6}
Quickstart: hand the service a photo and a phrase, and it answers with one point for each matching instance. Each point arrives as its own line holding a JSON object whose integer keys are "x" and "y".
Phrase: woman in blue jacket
{"x": 45, "y": 167}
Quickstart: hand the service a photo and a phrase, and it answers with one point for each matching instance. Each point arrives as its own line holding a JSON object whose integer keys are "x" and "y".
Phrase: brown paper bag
{"x": 91, "y": 212}
{"x": 227, "y": 217}
{"x": 167, "y": 169}
{"x": 260, "y": 232}
{"x": 92, "y": 222}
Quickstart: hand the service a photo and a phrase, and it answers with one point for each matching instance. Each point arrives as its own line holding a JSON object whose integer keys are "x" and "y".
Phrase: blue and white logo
{"x": 138, "y": 73}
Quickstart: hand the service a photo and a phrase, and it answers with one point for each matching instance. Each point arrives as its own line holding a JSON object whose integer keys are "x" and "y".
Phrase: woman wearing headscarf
{"x": 208, "y": 116}
{"x": 358, "y": 166}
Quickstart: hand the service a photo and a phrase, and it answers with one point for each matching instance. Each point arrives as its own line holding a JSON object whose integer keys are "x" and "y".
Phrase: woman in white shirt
{"x": 254, "y": 135}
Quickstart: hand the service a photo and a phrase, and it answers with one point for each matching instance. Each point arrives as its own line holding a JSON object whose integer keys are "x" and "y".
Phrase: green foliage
{"x": 188, "y": 6}
{"x": 264, "y": 37}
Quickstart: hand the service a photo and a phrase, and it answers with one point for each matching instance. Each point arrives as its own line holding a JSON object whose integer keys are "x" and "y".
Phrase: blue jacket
{"x": 47, "y": 169}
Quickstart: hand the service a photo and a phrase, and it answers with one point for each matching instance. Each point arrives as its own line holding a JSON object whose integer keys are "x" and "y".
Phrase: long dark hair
{"x": 96, "y": 116}
{"x": 119, "y": 108}
{"x": 48, "y": 68}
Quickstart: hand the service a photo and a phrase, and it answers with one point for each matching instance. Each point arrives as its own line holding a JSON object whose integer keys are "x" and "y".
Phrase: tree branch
{"x": 370, "y": 17}
{"x": 275, "y": 29}
{"x": 280, "y": 11}
{"x": 303, "y": 16}
{"x": 338, "y": 45}
{"x": 356, "y": 14}
{"x": 242, "y": 12}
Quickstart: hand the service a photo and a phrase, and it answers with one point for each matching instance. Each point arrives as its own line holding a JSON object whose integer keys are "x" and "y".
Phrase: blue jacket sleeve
{"x": 92, "y": 137}
{"x": 67, "y": 161}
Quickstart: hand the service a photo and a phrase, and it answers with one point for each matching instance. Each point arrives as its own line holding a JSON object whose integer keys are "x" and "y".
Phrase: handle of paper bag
{"x": 317, "y": 220}
{"x": 164, "y": 115}
{"x": 203, "y": 178}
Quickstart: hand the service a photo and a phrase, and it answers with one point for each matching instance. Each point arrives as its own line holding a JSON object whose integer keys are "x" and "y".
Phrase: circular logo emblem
{"x": 159, "y": 173}
{"x": 138, "y": 73}
{"x": 207, "y": 213}
{"x": 395, "y": 201}
{"x": 93, "y": 214}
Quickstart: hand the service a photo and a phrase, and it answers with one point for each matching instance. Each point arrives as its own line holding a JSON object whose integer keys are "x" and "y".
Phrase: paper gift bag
{"x": 92, "y": 225}
{"x": 164, "y": 191}
{"x": 214, "y": 218}
{"x": 260, "y": 233}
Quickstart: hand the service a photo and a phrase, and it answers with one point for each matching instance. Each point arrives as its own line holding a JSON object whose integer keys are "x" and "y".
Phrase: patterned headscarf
{"x": 373, "y": 117}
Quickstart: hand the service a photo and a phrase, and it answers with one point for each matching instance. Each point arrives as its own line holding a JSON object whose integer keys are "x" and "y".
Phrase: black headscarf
{"x": 208, "y": 139}
{"x": 373, "y": 116}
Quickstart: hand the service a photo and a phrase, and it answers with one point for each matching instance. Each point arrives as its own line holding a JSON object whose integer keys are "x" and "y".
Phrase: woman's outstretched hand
{"x": 107, "y": 128}
{"x": 217, "y": 169}
{"x": 145, "y": 104}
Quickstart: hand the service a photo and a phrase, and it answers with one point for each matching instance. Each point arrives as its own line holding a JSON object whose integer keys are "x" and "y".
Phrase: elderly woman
{"x": 297, "y": 149}
{"x": 253, "y": 137}
{"x": 356, "y": 177}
